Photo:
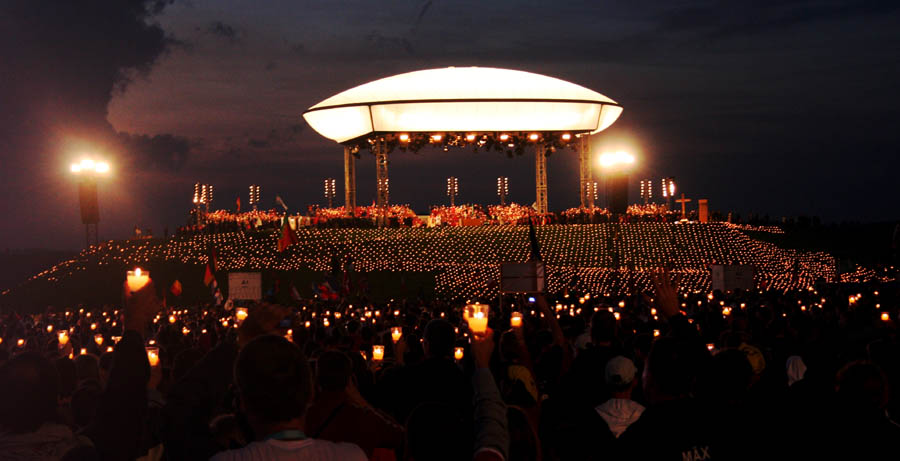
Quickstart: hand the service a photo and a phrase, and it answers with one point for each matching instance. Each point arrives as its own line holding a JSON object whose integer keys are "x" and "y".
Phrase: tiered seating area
{"x": 599, "y": 258}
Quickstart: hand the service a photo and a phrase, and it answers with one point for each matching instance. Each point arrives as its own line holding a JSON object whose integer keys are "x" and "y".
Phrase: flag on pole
{"x": 208, "y": 277}
{"x": 288, "y": 236}
{"x": 279, "y": 201}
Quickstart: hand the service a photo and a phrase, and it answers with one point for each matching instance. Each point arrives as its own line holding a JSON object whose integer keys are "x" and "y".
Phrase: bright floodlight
{"x": 617, "y": 159}
{"x": 89, "y": 166}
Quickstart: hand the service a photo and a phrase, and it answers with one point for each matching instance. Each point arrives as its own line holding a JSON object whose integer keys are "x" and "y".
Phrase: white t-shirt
{"x": 294, "y": 450}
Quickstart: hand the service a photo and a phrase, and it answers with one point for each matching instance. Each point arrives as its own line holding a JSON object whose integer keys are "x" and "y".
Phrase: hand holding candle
{"x": 136, "y": 279}
{"x": 240, "y": 314}
{"x": 377, "y": 353}
{"x": 477, "y": 316}
{"x": 515, "y": 320}
{"x": 153, "y": 355}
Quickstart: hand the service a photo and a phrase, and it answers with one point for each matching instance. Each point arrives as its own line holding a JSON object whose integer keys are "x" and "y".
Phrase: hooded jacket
{"x": 619, "y": 414}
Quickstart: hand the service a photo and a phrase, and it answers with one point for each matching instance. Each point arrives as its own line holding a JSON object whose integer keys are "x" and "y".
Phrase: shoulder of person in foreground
{"x": 309, "y": 449}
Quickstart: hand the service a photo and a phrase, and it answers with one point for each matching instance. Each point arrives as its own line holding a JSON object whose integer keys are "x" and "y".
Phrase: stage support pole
{"x": 349, "y": 181}
{"x": 584, "y": 163}
{"x": 540, "y": 177}
{"x": 381, "y": 171}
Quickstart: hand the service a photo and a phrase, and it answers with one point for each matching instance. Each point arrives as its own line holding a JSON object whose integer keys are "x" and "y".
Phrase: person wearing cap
{"x": 620, "y": 411}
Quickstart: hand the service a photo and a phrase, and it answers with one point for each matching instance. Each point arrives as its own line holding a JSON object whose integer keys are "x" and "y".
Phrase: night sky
{"x": 777, "y": 107}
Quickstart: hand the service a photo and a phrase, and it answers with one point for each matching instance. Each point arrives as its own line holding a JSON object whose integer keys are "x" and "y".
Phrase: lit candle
{"x": 83, "y": 351}
{"x": 326, "y": 322}
{"x": 172, "y": 318}
{"x": 477, "y": 316}
{"x": 396, "y": 333}
{"x": 109, "y": 348}
{"x": 885, "y": 317}
{"x": 241, "y": 314}
{"x": 116, "y": 339}
{"x": 515, "y": 320}
{"x": 185, "y": 331}
{"x": 655, "y": 333}
{"x": 63, "y": 337}
{"x": 136, "y": 279}
{"x": 98, "y": 338}
{"x": 49, "y": 328}
{"x": 93, "y": 326}
{"x": 377, "y": 353}
{"x": 458, "y": 353}
{"x": 153, "y": 356}
{"x": 710, "y": 346}
{"x": 20, "y": 342}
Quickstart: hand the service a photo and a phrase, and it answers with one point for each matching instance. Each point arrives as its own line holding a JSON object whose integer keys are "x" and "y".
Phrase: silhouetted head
{"x": 863, "y": 386}
{"x": 273, "y": 378}
{"x": 671, "y": 369}
{"x": 439, "y": 339}
{"x": 29, "y": 388}
{"x": 603, "y": 327}
{"x": 333, "y": 371}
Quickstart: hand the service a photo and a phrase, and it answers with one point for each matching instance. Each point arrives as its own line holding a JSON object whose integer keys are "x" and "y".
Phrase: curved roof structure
{"x": 462, "y": 99}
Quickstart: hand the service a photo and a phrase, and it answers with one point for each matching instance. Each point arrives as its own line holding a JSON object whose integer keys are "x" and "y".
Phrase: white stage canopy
{"x": 462, "y": 99}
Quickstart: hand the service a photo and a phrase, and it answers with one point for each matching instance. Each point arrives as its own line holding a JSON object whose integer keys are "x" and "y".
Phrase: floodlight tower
{"x": 668, "y": 190}
{"x": 452, "y": 189}
{"x": 646, "y": 190}
{"x": 88, "y": 171}
{"x": 616, "y": 165}
{"x": 502, "y": 189}
{"x": 254, "y": 196}
{"x": 330, "y": 191}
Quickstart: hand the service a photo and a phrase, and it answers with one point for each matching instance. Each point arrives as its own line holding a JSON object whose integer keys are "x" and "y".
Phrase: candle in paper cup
{"x": 396, "y": 333}
{"x": 241, "y": 314}
{"x": 655, "y": 333}
{"x": 136, "y": 279}
{"x": 98, "y": 338}
{"x": 885, "y": 317}
{"x": 377, "y": 353}
{"x": 109, "y": 348}
{"x": 153, "y": 356}
{"x": 458, "y": 353}
{"x": 20, "y": 342}
{"x": 49, "y": 328}
{"x": 477, "y": 316}
{"x": 83, "y": 351}
{"x": 63, "y": 337}
{"x": 515, "y": 320}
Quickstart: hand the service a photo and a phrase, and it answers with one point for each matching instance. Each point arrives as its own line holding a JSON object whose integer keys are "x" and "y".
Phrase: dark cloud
{"x": 164, "y": 152}
{"x": 298, "y": 48}
{"x": 62, "y": 61}
{"x": 732, "y": 18}
{"x": 389, "y": 42}
{"x": 224, "y": 31}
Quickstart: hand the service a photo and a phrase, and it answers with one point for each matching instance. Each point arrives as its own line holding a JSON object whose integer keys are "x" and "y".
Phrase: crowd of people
{"x": 404, "y": 216}
{"x": 667, "y": 374}
{"x": 225, "y": 221}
